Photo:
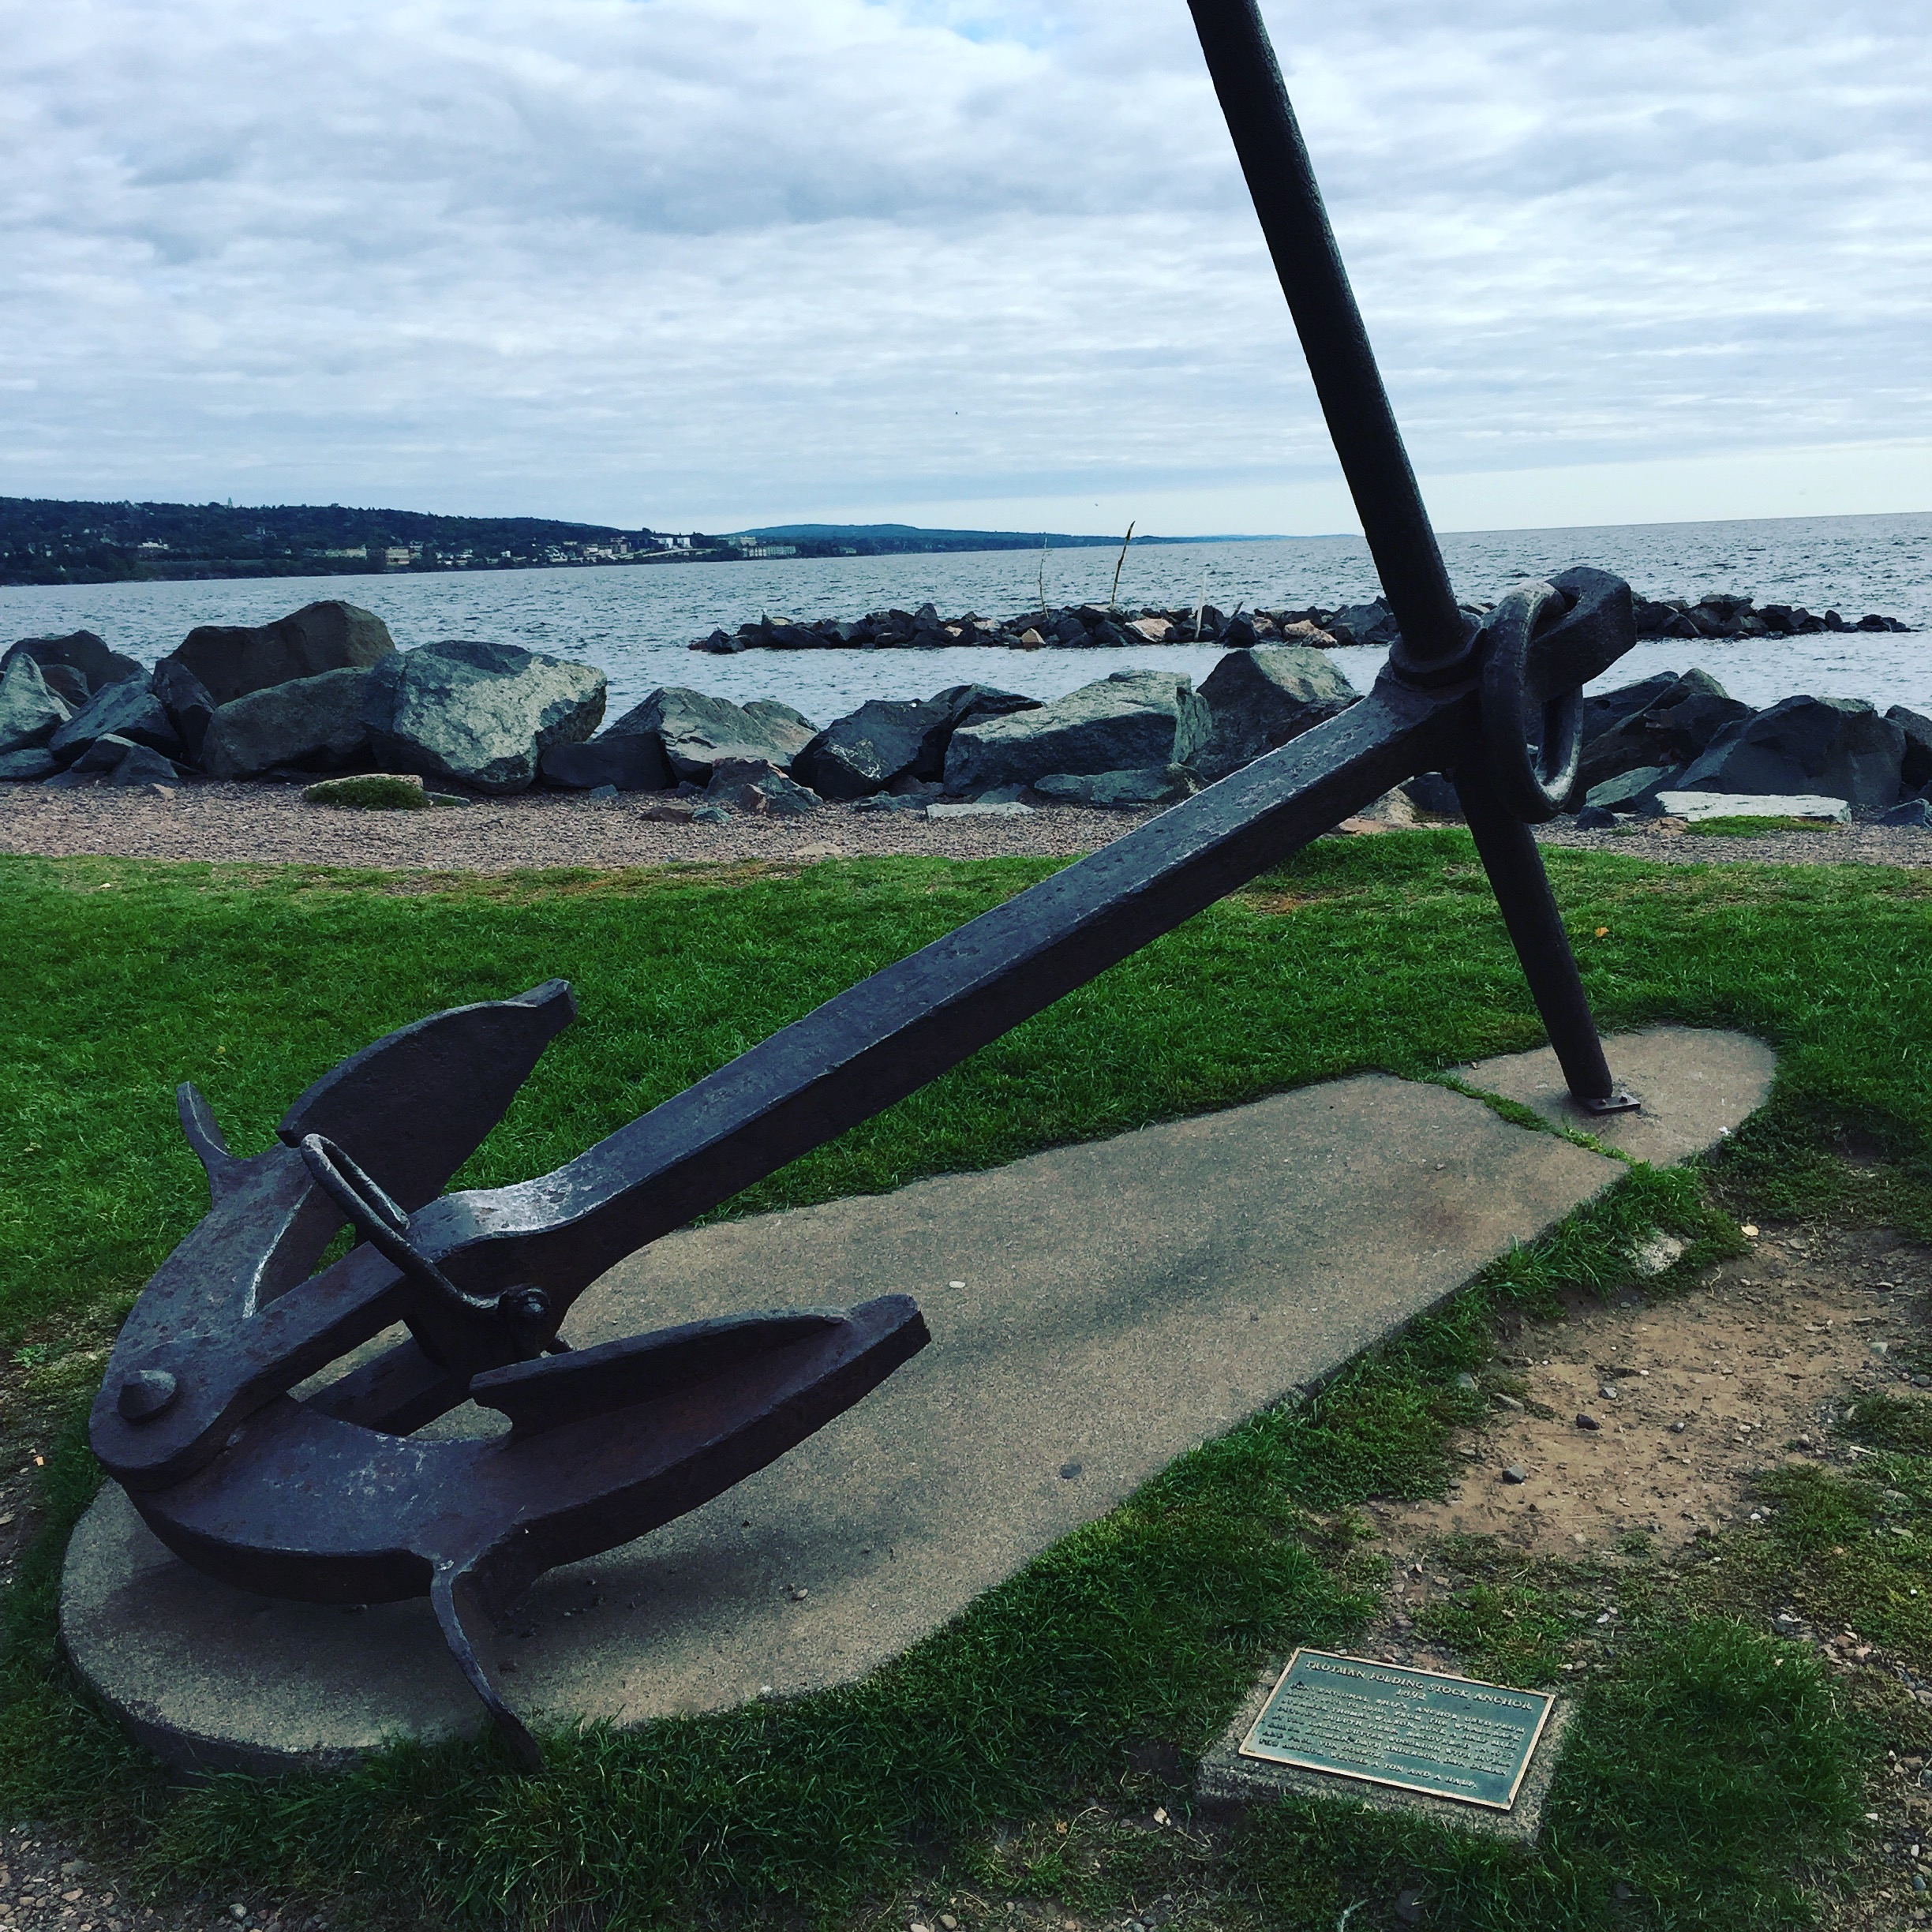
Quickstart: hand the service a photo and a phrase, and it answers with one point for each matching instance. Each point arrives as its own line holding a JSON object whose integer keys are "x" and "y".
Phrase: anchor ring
{"x": 1532, "y": 761}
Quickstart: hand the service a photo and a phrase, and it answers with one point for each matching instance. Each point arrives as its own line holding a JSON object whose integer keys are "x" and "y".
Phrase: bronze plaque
{"x": 1451, "y": 1737}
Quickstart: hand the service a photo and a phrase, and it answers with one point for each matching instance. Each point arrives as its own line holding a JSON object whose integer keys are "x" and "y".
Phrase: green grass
{"x": 1141, "y": 1630}
{"x": 126, "y": 978}
{"x": 1746, "y": 824}
{"x": 1691, "y": 1784}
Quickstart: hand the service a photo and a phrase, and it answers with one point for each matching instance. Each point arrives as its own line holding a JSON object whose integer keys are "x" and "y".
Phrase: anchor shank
{"x": 888, "y": 1035}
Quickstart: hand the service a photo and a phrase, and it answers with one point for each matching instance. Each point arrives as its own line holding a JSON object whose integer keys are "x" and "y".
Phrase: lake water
{"x": 636, "y": 622}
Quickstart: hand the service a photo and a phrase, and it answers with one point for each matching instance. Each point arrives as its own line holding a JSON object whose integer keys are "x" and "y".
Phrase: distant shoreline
{"x": 47, "y": 542}
{"x": 229, "y": 572}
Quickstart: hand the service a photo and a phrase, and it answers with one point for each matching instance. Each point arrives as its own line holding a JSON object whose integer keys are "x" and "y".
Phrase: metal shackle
{"x": 1532, "y": 761}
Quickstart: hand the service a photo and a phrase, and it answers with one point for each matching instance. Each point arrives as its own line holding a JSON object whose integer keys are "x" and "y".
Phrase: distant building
{"x": 767, "y": 550}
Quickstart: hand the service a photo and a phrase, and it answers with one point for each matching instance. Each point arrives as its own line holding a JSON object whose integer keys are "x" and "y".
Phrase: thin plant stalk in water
{"x": 1043, "y": 576}
{"x": 1113, "y": 595}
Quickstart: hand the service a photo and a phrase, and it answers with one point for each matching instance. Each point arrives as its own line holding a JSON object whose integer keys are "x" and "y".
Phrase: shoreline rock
{"x": 233, "y": 660}
{"x": 478, "y": 714}
{"x": 494, "y": 719}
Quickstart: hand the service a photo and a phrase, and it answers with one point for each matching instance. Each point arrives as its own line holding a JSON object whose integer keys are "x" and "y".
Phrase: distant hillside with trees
{"x": 44, "y": 540}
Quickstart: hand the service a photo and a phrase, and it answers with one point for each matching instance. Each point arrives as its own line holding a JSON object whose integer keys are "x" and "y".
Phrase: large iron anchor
{"x": 327, "y": 1495}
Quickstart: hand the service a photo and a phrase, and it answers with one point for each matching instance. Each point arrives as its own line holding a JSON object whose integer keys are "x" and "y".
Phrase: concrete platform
{"x": 1695, "y": 1084}
{"x": 1095, "y": 1311}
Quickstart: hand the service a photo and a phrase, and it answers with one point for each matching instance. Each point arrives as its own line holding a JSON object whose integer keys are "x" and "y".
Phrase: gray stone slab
{"x": 1096, "y": 1311}
{"x": 1696, "y": 1085}
{"x": 1226, "y": 1777}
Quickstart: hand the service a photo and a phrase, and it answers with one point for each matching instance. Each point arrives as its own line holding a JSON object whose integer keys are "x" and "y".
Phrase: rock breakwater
{"x": 1088, "y": 626}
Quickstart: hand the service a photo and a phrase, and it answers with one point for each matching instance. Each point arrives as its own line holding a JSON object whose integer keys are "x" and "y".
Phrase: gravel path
{"x": 1672, "y": 844}
{"x": 254, "y": 824}
{"x": 46, "y": 1886}
{"x": 271, "y": 824}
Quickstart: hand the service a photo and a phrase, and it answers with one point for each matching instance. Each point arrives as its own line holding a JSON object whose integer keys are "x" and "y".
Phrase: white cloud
{"x": 687, "y": 263}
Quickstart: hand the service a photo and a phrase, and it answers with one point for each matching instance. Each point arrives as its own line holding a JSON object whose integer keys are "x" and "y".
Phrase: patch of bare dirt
{"x": 1655, "y": 1414}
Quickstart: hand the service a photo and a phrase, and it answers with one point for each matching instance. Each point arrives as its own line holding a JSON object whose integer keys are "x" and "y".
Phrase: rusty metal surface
{"x": 333, "y": 1498}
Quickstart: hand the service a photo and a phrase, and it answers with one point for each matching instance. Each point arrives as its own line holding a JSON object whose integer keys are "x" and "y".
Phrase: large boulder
{"x": 1839, "y": 747}
{"x": 30, "y": 714}
{"x": 79, "y": 651}
{"x": 695, "y": 732}
{"x": 1120, "y": 790}
{"x": 1261, "y": 698}
{"x": 233, "y": 660}
{"x": 631, "y": 762}
{"x": 1677, "y": 719}
{"x": 968, "y": 703}
{"x": 1634, "y": 791}
{"x": 128, "y": 709}
{"x": 885, "y": 739}
{"x": 115, "y": 760}
{"x": 888, "y": 738}
{"x": 770, "y": 712}
{"x": 1127, "y": 722}
{"x": 185, "y": 699}
{"x": 478, "y": 714}
{"x": 31, "y": 762}
{"x": 754, "y": 785}
{"x": 66, "y": 683}
{"x": 1604, "y": 711}
{"x": 1371, "y": 624}
{"x": 143, "y": 766}
{"x": 1916, "y": 768}
{"x": 312, "y": 723}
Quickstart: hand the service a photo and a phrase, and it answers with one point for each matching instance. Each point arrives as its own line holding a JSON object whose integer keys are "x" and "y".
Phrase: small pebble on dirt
{"x": 1513, "y": 1473}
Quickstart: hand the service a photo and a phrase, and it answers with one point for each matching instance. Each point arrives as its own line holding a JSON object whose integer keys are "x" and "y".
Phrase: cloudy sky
{"x": 716, "y": 263}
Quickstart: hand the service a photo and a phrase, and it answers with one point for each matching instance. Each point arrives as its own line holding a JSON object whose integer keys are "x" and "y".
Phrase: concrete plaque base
{"x": 1226, "y": 1777}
